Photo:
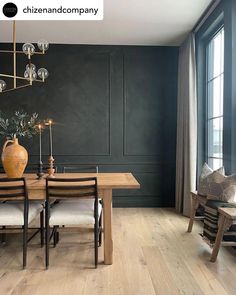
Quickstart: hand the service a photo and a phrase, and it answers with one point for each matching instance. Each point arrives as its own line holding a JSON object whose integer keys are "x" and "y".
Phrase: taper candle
{"x": 50, "y": 135}
{"x": 40, "y": 143}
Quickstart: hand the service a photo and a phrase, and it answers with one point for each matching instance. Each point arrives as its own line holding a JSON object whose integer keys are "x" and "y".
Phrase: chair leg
{"x": 96, "y": 246}
{"x": 100, "y": 231}
{"x": 55, "y": 236}
{"x": 25, "y": 243}
{"x": 47, "y": 237}
{"x": 3, "y": 238}
{"x": 25, "y": 232}
{"x": 194, "y": 206}
{"x": 42, "y": 228}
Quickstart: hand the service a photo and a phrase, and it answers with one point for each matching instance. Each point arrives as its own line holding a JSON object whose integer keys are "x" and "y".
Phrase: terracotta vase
{"x": 14, "y": 158}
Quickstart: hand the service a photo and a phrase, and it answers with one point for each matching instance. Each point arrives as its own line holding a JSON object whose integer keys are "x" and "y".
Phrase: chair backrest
{"x": 80, "y": 169}
{"x": 13, "y": 188}
{"x": 64, "y": 188}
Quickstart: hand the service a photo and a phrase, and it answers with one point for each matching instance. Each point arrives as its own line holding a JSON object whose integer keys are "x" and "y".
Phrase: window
{"x": 215, "y": 85}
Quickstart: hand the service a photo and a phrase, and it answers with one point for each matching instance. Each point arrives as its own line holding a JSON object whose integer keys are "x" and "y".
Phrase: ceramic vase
{"x": 14, "y": 158}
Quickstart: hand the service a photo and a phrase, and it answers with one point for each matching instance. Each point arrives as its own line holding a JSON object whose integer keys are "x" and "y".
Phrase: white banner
{"x": 51, "y": 10}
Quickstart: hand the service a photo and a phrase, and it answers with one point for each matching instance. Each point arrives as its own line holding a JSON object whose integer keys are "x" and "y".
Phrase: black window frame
{"x": 202, "y": 38}
{"x": 207, "y": 81}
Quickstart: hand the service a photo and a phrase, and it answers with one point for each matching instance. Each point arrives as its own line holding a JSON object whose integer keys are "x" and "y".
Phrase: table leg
{"x": 224, "y": 224}
{"x": 194, "y": 206}
{"x": 107, "y": 225}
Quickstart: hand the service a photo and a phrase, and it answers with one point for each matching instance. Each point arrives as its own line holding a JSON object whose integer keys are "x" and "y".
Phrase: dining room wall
{"x": 114, "y": 106}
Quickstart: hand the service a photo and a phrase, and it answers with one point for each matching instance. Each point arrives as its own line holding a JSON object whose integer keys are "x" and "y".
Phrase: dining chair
{"x": 81, "y": 169}
{"x": 3, "y": 234}
{"x": 18, "y": 211}
{"x": 71, "y": 213}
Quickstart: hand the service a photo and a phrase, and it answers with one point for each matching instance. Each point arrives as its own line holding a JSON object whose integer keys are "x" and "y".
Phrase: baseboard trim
{"x": 140, "y": 201}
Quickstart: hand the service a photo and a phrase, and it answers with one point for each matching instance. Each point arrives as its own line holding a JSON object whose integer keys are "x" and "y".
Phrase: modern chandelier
{"x": 31, "y": 74}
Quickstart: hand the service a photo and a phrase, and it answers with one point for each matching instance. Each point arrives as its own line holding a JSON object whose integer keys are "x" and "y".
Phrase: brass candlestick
{"x": 51, "y": 170}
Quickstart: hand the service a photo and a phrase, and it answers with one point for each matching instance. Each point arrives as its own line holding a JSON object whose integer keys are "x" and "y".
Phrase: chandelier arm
{"x": 18, "y": 77}
{"x": 20, "y": 52}
{"x": 18, "y": 87}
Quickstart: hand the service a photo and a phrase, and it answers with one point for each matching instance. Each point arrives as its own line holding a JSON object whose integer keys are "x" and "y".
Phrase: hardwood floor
{"x": 153, "y": 254}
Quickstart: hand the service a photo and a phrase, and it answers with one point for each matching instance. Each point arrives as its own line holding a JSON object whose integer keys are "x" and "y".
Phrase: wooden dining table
{"x": 107, "y": 182}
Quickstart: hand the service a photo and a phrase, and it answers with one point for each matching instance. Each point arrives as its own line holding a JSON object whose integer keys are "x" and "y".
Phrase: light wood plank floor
{"x": 153, "y": 254}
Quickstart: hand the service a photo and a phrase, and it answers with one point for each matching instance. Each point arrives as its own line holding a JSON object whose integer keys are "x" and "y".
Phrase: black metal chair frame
{"x": 76, "y": 191}
{"x": 9, "y": 193}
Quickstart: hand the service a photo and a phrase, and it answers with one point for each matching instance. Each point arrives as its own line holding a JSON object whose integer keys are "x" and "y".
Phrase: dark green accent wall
{"x": 225, "y": 13}
{"x": 114, "y": 106}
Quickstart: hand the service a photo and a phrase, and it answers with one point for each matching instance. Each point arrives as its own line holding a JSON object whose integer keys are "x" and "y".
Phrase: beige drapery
{"x": 186, "y": 149}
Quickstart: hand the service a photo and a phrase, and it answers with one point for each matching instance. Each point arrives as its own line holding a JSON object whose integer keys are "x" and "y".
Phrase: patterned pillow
{"x": 203, "y": 188}
{"x": 222, "y": 187}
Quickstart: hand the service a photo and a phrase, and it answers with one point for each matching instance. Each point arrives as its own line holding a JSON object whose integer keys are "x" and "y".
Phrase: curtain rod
{"x": 205, "y": 15}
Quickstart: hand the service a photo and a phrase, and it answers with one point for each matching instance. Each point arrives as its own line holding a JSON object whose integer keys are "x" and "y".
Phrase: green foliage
{"x": 21, "y": 124}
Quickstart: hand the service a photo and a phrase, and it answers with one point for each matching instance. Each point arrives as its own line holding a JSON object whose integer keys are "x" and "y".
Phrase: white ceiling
{"x": 126, "y": 22}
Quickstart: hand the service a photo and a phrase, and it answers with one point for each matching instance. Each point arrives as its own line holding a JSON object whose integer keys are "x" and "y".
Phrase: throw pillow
{"x": 203, "y": 180}
{"x": 222, "y": 187}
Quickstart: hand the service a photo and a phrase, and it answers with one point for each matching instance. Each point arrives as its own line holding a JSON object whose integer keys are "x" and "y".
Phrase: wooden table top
{"x": 105, "y": 180}
{"x": 228, "y": 212}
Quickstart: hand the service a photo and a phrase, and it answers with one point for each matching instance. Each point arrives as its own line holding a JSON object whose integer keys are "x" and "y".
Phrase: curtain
{"x": 186, "y": 149}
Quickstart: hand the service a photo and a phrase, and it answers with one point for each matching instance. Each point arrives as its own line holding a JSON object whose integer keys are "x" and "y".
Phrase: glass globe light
{"x": 28, "y": 49}
{"x": 2, "y": 85}
{"x": 31, "y": 67}
{"x": 30, "y": 75}
{"x": 43, "y": 73}
{"x": 43, "y": 45}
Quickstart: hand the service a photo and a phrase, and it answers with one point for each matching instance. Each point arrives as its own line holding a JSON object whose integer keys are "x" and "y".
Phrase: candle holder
{"x": 51, "y": 170}
{"x": 40, "y": 170}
